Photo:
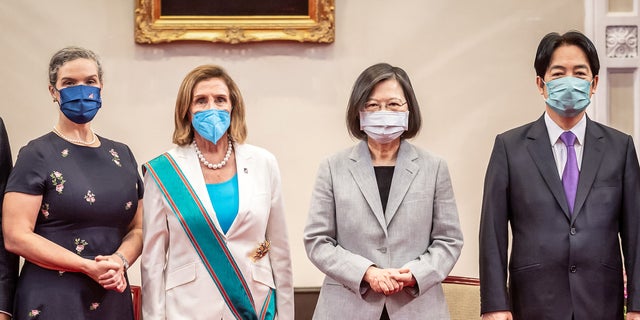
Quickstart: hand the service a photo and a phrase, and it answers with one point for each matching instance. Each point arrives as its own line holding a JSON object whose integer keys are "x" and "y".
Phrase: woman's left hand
{"x": 113, "y": 279}
{"x": 405, "y": 277}
{"x": 383, "y": 280}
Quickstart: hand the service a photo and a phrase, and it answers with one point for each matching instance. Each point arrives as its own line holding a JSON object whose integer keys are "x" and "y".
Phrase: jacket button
{"x": 383, "y": 249}
{"x": 573, "y": 269}
{"x": 572, "y": 231}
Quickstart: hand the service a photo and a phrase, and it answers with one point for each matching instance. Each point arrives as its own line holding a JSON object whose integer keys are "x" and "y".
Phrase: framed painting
{"x": 234, "y": 21}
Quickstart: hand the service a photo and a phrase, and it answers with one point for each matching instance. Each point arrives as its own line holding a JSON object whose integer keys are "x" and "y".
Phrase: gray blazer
{"x": 347, "y": 231}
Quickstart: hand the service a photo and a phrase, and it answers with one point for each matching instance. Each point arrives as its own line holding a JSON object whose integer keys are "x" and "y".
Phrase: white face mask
{"x": 384, "y": 126}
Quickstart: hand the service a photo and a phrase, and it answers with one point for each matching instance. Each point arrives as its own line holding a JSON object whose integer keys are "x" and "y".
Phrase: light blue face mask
{"x": 211, "y": 124}
{"x": 568, "y": 96}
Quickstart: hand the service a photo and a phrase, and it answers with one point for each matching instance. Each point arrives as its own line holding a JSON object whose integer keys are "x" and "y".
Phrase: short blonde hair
{"x": 183, "y": 133}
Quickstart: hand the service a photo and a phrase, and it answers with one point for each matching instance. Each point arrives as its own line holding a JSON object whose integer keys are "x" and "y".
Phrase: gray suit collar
{"x": 364, "y": 176}
{"x": 403, "y": 175}
{"x": 540, "y": 150}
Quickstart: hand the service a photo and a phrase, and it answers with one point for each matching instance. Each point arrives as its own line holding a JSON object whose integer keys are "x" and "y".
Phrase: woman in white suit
{"x": 383, "y": 224}
{"x": 215, "y": 240}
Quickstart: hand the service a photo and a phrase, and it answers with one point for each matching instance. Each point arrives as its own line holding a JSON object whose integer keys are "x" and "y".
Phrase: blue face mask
{"x": 568, "y": 96}
{"x": 211, "y": 124}
{"x": 80, "y": 103}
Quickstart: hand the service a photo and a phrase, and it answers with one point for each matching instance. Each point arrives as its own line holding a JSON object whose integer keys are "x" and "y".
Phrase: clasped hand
{"x": 108, "y": 272}
{"x": 388, "y": 281}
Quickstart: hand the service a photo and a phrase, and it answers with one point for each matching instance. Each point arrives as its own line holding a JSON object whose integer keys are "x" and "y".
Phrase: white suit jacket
{"x": 175, "y": 284}
{"x": 347, "y": 231}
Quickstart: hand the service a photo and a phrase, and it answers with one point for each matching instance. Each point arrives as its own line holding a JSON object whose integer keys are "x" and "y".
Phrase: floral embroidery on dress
{"x": 64, "y": 153}
{"x": 80, "y": 244}
{"x": 58, "y": 180}
{"x": 34, "y": 313}
{"x": 94, "y": 306}
{"x": 44, "y": 209}
{"x": 128, "y": 205}
{"x": 116, "y": 158}
{"x": 90, "y": 197}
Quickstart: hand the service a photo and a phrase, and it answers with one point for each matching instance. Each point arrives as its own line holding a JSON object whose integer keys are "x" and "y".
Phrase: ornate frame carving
{"x": 151, "y": 27}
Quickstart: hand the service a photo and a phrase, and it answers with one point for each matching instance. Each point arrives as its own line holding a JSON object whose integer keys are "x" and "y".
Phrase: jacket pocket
{"x": 262, "y": 274}
{"x": 180, "y": 276}
{"x": 527, "y": 267}
{"x": 607, "y": 183}
{"x": 611, "y": 267}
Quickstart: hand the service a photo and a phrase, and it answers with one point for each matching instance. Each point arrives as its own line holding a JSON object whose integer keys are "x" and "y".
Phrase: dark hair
{"x": 361, "y": 91}
{"x": 183, "y": 133}
{"x": 553, "y": 40}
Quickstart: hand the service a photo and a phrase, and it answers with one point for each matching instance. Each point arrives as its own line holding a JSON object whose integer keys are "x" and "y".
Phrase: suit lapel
{"x": 403, "y": 175}
{"x": 362, "y": 172}
{"x": 190, "y": 166}
{"x": 541, "y": 151}
{"x": 593, "y": 150}
{"x": 245, "y": 168}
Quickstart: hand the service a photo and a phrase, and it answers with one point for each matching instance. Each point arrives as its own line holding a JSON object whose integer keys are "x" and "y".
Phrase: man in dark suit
{"x": 8, "y": 261}
{"x": 569, "y": 188}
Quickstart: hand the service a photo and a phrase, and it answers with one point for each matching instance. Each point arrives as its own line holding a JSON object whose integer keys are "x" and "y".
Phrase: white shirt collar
{"x": 555, "y": 131}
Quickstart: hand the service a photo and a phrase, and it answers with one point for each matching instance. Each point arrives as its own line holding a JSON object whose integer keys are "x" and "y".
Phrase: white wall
{"x": 471, "y": 63}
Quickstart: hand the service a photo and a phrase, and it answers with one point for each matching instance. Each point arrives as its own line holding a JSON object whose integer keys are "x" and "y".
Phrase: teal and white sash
{"x": 207, "y": 240}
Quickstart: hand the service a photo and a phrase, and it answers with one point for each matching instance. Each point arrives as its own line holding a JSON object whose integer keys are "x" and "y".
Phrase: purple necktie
{"x": 571, "y": 172}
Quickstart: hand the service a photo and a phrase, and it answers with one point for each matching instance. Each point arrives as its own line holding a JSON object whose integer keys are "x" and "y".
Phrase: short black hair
{"x": 362, "y": 89}
{"x": 553, "y": 40}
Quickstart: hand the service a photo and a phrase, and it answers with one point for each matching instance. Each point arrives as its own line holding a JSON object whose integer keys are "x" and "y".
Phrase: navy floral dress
{"x": 90, "y": 195}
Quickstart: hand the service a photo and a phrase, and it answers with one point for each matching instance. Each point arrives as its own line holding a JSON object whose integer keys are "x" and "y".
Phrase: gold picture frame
{"x": 152, "y": 27}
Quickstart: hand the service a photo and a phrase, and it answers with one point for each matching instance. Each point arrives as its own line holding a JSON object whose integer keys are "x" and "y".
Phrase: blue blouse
{"x": 225, "y": 199}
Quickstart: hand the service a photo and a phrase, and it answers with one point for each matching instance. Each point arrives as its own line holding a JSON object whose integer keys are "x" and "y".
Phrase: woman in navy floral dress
{"x": 71, "y": 207}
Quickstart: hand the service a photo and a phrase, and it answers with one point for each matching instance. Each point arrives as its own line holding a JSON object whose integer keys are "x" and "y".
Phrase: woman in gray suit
{"x": 383, "y": 224}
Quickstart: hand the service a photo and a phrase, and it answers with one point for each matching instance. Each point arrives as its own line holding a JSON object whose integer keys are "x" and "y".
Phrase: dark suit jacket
{"x": 8, "y": 261}
{"x": 560, "y": 263}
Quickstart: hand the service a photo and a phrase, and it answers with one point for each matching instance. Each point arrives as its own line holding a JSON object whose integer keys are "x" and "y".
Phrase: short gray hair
{"x": 69, "y": 54}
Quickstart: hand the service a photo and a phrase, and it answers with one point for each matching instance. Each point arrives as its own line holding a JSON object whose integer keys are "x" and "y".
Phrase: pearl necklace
{"x": 82, "y": 142}
{"x": 213, "y": 166}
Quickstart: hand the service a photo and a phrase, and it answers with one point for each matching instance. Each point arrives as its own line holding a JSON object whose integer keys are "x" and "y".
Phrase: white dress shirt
{"x": 558, "y": 147}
